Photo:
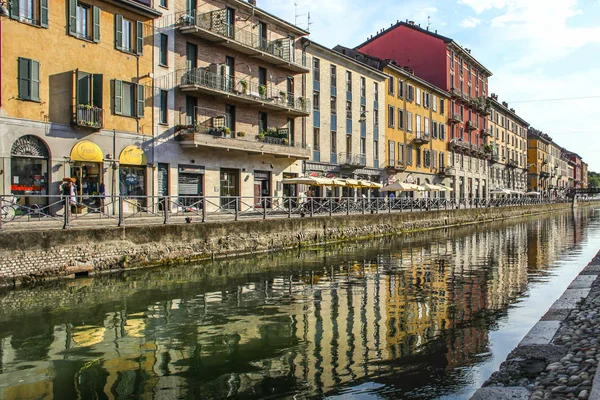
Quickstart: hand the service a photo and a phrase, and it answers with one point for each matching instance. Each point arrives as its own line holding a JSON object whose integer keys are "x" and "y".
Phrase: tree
{"x": 593, "y": 179}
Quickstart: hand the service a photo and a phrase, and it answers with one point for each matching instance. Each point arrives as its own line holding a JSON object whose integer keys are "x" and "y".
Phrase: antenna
{"x": 428, "y": 21}
{"x": 296, "y": 15}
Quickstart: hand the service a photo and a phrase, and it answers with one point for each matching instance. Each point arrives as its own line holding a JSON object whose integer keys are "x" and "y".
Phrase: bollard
{"x": 120, "y": 211}
{"x": 165, "y": 202}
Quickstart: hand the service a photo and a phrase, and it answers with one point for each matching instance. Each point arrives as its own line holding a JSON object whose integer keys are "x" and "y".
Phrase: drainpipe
{"x": 153, "y": 167}
{"x": 114, "y": 172}
{"x": 304, "y": 83}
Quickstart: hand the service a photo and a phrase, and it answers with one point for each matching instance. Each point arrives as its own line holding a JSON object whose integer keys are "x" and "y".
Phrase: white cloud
{"x": 471, "y": 22}
{"x": 480, "y": 6}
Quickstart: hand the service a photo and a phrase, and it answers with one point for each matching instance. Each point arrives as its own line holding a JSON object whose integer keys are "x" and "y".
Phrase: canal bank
{"x": 559, "y": 356}
{"x": 35, "y": 255}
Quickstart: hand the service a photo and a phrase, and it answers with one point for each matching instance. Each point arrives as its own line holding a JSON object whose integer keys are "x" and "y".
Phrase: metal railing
{"x": 357, "y": 160}
{"x": 244, "y": 88}
{"x": 88, "y": 116}
{"x": 57, "y": 212}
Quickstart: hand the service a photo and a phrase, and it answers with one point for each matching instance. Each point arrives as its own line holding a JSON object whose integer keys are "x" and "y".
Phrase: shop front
{"x": 230, "y": 187}
{"x": 29, "y": 170}
{"x": 262, "y": 189}
{"x": 290, "y": 191}
{"x": 191, "y": 186}
{"x": 132, "y": 178}
{"x": 87, "y": 170}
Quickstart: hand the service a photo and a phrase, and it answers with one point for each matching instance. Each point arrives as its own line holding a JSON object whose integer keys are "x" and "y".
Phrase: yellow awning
{"x": 86, "y": 151}
{"x": 132, "y": 155}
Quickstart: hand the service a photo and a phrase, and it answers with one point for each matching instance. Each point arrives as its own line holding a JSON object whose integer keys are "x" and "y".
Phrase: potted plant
{"x": 285, "y": 141}
{"x": 272, "y": 132}
{"x": 225, "y": 131}
{"x": 261, "y": 136}
{"x": 244, "y": 85}
{"x": 241, "y": 134}
{"x": 262, "y": 91}
{"x": 283, "y": 95}
{"x": 302, "y": 101}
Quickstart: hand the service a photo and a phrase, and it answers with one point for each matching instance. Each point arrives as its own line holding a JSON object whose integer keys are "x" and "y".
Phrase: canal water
{"x": 425, "y": 316}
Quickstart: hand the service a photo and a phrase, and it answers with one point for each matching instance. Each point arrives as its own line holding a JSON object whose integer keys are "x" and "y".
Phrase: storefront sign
{"x": 132, "y": 155}
{"x": 191, "y": 169}
{"x": 86, "y": 151}
{"x": 261, "y": 175}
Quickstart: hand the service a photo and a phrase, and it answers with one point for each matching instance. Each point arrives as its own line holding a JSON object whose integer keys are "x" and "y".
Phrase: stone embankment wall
{"x": 33, "y": 255}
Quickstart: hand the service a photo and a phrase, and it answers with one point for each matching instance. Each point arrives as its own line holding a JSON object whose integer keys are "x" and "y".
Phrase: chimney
{"x": 512, "y": 110}
{"x": 411, "y": 22}
{"x": 252, "y": 2}
{"x": 505, "y": 104}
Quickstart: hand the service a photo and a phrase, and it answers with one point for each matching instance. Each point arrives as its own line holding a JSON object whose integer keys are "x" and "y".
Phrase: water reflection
{"x": 391, "y": 318}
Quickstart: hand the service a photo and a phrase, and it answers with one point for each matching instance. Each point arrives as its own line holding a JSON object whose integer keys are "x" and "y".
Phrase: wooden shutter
{"x": 35, "y": 80}
{"x": 97, "y": 92}
{"x": 141, "y": 100}
{"x": 119, "y": 31}
{"x": 96, "y": 19}
{"x": 14, "y": 9}
{"x": 73, "y": 17}
{"x": 118, "y": 97}
{"x": 24, "y": 78}
{"x": 139, "y": 34}
{"x": 82, "y": 88}
{"x": 44, "y": 13}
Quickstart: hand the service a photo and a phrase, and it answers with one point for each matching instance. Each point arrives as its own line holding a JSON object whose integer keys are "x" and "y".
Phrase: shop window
{"x": 29, "y": 169}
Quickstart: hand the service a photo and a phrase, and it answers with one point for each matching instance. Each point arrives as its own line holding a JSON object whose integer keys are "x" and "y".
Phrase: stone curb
{"x": 542, "y": 333}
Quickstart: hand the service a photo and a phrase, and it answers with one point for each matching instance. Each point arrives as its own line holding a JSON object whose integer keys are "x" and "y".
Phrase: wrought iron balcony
{"x": 421, "y": 138}
{"x": 455, "y": 119}
{"x": 212, "y": 26}
{"x": 88, "y": 116}
{"x": 470, "y": 126}
{"x": 350, "y": 160}
{"x": 243, "y": 91}
{"x": 513, "y": 164}
{"x": 397, "y": 165}
{"x": 447, "y": 171}
{"x": 485, "y": 132}
{"x": 544, "y": 174}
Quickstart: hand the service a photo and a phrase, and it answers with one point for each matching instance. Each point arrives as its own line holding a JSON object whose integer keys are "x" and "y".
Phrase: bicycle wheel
{"x": 8, "y": 213}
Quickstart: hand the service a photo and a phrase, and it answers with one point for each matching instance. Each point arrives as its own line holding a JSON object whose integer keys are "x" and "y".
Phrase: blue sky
{"x": 537, "y": 50}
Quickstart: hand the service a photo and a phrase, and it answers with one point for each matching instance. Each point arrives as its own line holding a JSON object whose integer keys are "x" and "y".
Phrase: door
{"x": 229, "y": 73}
{"x": 290, "y": 91}
{"x": 163, "y": 184}
{"x": 230, "y": 120}
{"x": 230, "y": 188}
{"x": 262, "y": 35}
{"x": 230, "y": 16}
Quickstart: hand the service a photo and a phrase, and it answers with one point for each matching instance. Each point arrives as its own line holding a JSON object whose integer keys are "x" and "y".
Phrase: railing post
{"x": 203, "y": 209}
{"x": 66, "y": 213}
{"x": 377, "y": 205}
{"x": 120, "y": 211}
{"x": 347, "y": 206}
{"x": 290, "y": 207}
{"x": 312, "y": 206}
{"x": 1, "y": 212}
{"x": 362, "y": 202}
{"x": 264, "y": 208}
{"x": 330, "y": 206}
{"x": 236, "y": 206}
{"x": 165, "y": 201}
{"x": 389, "y": 205}
{"x": 412, "y": 205}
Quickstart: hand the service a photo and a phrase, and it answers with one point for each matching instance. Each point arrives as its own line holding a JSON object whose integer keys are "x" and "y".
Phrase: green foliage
{"x": 593, "y": 179}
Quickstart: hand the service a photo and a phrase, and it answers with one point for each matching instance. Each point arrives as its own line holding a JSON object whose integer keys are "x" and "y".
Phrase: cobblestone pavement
{"x": 559, "y": 357}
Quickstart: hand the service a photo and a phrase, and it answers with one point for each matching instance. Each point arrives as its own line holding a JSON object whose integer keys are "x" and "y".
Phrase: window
{"x": 418, "y": 97}
{"x": 34, "y": 12}
{"x": 409, "y": 154}
{"x": 164, "y": 48}
{"x": 190, "y": 110}
{"x": 376, "y": 91}
{"x": 434, "y": 129}
{"x": 126, "y": 37}
{"x": 164, "y": 96}
{"x": 316, "y": 139}
{"x": 391, "y": 112}
{"x": 409, "y": 121}
{"x": 391, "y": 84}
{"x": 418, "y": 157}
{"x": 376, "y": 117}
{"x": 426, "y": 158}
{"x": 418, "y": 122}
{"x": 426, "y": 123}
{"x": 333, "y": 142}
{"x": 349, "y": 109}
{"x": 375, "y": 151}
{"x": 442, "y": 106}
{"x": 400, "y": 119}
{"x": 400, "y": 88}
{"x": 84, "y": 21}
{"x": 191, "y": 61}
{"x": 442, "y": 129}
{"x": 333, "y": 76}
{"x": 333, "y": 105}
{"x": 411, "y": 93}
{"x": 163, "y": 3}
{"x": 363, "y": 87}
{"x": 363, "y": 146}
{"x": 442, "y": 160}
{"x": 129, "y": 99}
{"x": 88, "y": 89}
{"x": 401, "y": 152}
{"x": 434, "y": 102}
{"x": 316, "y": 101}
{"x": 316, "y": 69}
{"x": 29, "y": 79}
{"x": 391, "y": 152}
{"x": 262, "y": 122}
{"x": 425, "y": 99}
{"x": 348, "y": 81}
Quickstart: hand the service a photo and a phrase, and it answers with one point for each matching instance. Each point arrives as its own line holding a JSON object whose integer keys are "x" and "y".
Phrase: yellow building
{"x": 538, "y": 164}
{"x": 75, "y": 97}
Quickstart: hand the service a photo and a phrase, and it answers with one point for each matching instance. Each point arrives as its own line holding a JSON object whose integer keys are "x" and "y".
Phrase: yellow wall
{"x": 537, "y": 152}
{"x": 402, "y": 135}
{"x": 60, "y": 54}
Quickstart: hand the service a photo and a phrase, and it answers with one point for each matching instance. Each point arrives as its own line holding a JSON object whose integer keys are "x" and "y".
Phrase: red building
{"x": 577, "y": 169}
{"x": 442, "y": 62}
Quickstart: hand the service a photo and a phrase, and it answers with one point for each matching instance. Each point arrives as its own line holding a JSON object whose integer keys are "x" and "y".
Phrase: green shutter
{"x": 139, "y": 33}
{"x": 44, "y": 13}
{"x": 96, "y": 16}
{"x": 35, "y": 80}
{"x": 24, "y": 78}
{"x": 73, "y": 17}
{"x": 14, "y": 9}
{"x": 97, "y": 90}
{"x": 118, "y": 31}
{"x": 118, "y": 97}
{"x": 141, "y": 100}
{"x": 83, "y": 88}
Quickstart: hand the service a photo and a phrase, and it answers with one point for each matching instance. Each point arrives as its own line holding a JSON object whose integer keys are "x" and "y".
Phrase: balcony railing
{"x": 422, "y": 138}
{"x": 88, "y": 116}
{"x": 485, "y": 132}
{"x": 242, "y": 89}
{"x": 513, "y": 164}
{"x": 352, "y": 160}
{"x": 398, "y": 165}
{"x": 213, "y": 26}
{"x": 455, "y": 119}
{"x": 471, "y": 126}
{"x": 446, "y": 171}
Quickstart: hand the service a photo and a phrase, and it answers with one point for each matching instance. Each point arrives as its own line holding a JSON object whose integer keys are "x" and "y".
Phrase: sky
{"x": 538, "y": 50}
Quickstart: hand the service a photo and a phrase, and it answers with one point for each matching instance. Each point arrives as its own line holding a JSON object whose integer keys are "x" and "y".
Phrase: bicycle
{"x": 8, "y": 211}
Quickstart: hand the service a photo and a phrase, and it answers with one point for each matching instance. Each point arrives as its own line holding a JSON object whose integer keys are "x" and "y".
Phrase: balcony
{"x": 459, "y": 146}
{"x": 470, "y": 126}
{"x": 278, "y": 145}
{"x": 421, "y": 138}
{"x": 227, "y": 87}
{"x": 349, "y": 160}
{"x": 212, "y": 27}
{"x": 513, "y": 164}
{"x": 544, "y": 174}
{"x": 455, "y": 119}
{"x": 485, "y": 132}
{"x": 456, "y": 94}
{"x": 88, "y": 116}
{"x": 446, "y": 172}
{"x": 396, "y": 165}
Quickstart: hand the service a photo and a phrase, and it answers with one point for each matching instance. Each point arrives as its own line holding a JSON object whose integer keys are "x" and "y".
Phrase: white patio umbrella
{"x": 370, "y": 185}
{"x": 447, "y": 188}
{"x": 352, "y": 182}
{"x": 432, "y": 188}
{"x": 500, "y": 191}
{"x": 402, "y": 187}
{"x": 307, "y": 180}
{"x": 532, "y": 194}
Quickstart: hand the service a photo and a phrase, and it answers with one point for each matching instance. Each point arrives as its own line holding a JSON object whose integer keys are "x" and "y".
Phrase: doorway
{"x": 262, "y": 189}
{"x": 230, "y": 187}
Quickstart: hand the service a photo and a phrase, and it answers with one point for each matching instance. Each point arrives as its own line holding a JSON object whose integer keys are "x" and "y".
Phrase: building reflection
{"x": 382, "y": 313}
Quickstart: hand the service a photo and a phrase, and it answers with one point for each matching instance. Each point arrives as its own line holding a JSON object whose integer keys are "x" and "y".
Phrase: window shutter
{"x": 118, "y": 97}
{"x": 44, "y": 13}
{"x": 72, "y": 17}
{"x": 82, "y": 87}
{"x": 97, "y": 80}
{"x": 139, "y": 32}
{"x": 141, "y": 100}
{"x": 35, "y": 80}
{"x": 24, "y": 78}
{"x": 96, "y": 17}
{"x": 14, "y": 9}
{"x": 118, "y": 31}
